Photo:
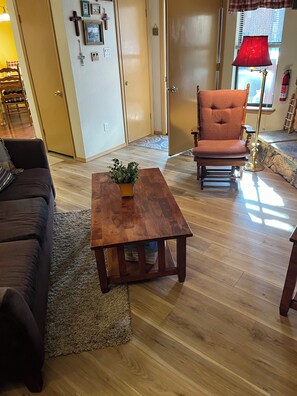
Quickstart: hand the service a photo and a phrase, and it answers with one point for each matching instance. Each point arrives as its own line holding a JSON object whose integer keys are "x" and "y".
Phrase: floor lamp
{"x": 254, "y": 53}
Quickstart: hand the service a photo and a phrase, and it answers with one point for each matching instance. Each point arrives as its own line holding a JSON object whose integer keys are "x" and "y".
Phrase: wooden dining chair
{"x": 13, "y": 94}
{"x": 218, "y": 136}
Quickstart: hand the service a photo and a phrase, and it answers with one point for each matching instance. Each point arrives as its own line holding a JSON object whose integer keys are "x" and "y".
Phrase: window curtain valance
{"x": 247, "y": 5}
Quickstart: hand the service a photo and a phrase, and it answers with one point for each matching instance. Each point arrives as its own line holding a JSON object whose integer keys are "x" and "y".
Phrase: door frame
{"x": 163, "y": 66}
{"x": 121, "y": 68}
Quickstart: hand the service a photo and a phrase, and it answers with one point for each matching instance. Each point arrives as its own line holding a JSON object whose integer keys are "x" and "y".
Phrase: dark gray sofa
{"x": 26, "y": 222}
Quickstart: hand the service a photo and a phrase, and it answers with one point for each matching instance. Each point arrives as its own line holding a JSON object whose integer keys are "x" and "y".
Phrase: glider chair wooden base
{"x": 218, "y": 136}
{"x": 219, "y": 171}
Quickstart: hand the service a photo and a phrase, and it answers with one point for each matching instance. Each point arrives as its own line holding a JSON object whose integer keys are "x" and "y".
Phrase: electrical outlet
{"x": 106, "y": 127}
{"x": 94, "y": 56}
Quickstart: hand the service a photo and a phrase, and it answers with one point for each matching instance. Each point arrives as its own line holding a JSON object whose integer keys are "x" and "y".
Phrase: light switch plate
{"x": 106, "y": 52}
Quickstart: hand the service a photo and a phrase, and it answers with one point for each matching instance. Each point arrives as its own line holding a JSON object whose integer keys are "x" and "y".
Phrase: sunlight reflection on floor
{"x": 262, "y": 202}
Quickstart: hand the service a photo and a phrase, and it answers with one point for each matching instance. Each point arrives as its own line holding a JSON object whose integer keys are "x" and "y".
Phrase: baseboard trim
{"x": 88, "y": 159}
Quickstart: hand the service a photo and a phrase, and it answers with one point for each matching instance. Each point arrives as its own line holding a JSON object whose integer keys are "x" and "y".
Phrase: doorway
{"x": 18, "y": 125}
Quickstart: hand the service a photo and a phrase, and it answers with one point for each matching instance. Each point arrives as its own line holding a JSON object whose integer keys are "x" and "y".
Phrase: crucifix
{"x": 75, "y": 18}
{"x": 81, "y": 56}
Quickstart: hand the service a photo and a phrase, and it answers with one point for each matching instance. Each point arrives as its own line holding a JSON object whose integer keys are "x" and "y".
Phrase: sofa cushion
{"x": 6, "y": 178}
{"x": 5, "y": 160}
{"x": 23, "y": 219}
{"x": 29, "y": 184}
{"x": 18, "y": 267}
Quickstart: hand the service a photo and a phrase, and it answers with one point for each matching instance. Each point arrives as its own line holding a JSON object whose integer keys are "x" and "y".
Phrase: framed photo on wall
{"x": 93, "y": 33}
{"x": 95, "y": 9}
{"x": 85, "y": 8}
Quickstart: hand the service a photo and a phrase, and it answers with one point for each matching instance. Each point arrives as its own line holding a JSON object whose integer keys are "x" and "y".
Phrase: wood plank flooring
{"x": 21, "y": 129}
{"x": 220, "y": 332}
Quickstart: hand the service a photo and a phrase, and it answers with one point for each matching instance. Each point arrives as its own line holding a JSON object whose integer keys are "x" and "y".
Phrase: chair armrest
{"x": 195, "y": 131}
{"x": 248, "y": 129}
{"x": 27, "y": 153}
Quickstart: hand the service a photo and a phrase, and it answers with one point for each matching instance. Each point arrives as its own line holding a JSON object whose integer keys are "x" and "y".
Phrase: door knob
{"x": 173, "y": 89}
{"x": 58, "y": 93}
{"x": 126, "y": 83}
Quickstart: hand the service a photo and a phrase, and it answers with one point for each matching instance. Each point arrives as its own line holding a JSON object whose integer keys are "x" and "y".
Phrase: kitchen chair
{"x": 13, "y": 95}
{"x": 218, "y": 137}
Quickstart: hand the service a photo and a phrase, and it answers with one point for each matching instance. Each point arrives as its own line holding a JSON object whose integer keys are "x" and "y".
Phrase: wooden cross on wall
{"x": 75, "y": 18}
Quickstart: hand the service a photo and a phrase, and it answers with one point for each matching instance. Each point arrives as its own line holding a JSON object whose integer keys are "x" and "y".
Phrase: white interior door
{"x": 192, "y": 48}
{"x": 135, "y": 60}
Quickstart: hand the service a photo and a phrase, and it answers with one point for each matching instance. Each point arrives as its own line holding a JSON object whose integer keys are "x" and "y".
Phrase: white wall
{"x": 96, "y": 89}
{"x": 92, "y": 91}
{"x": 288, "y": 58}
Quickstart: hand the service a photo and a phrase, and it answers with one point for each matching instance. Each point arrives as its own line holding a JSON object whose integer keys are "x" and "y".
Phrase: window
{"x": 263, "y": 21}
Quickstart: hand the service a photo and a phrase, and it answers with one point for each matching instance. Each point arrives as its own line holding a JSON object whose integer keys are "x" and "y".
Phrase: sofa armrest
{"x": 27, "y": 349}
{"x": 27, "y": 153}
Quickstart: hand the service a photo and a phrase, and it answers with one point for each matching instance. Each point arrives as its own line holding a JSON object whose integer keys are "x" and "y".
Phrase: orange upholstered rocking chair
{"x": 219, "y": 133}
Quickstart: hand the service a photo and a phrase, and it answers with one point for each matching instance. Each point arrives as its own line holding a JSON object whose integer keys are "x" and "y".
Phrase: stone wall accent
{"x": 279, "y": 162}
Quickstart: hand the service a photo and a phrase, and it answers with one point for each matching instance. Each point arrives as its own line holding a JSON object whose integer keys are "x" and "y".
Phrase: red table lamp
{"x": 254, "y": 53}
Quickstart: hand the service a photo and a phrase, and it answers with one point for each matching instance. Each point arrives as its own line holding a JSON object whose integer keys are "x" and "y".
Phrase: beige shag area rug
{"x": 79, "y": 317}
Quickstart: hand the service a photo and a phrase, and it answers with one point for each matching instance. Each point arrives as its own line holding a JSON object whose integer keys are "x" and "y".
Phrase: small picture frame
{"x": 85, "y": 8}
{"x": 95, "y": 9}
{"x": 93, "y": 33}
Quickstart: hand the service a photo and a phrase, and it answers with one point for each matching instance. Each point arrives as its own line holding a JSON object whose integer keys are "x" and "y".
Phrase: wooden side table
{"x": 287, "y": 300}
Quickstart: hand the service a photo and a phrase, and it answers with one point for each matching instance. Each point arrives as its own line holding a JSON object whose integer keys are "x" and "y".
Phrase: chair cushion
{"x": 221, "y": 113}
{"x": 18, "y": 267}
{"x": 23, "y": 219}
{"x": 29, "y": 184}
{"x": 220, "y": 149}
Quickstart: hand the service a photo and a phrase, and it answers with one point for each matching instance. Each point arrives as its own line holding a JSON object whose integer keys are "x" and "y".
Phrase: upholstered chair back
{"x": 221, "y": 113}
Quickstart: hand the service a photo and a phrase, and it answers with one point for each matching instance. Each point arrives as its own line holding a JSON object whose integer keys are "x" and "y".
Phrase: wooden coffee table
{"x": 151, "y": 215}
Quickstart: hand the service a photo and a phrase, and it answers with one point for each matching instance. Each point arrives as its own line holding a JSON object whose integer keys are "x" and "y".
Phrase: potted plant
{"x": 124, "y": 176}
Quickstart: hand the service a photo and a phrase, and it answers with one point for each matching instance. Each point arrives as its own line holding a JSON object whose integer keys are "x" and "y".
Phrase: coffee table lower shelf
{"x": 114, "y": 269}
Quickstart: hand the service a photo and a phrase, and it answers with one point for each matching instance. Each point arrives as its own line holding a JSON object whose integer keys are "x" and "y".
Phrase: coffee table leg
{"x": 181, "y": 258}
{"x": 100, "y": 259}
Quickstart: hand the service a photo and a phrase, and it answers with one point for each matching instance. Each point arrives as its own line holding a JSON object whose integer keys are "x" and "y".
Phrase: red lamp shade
{"x": 253, "y": 52}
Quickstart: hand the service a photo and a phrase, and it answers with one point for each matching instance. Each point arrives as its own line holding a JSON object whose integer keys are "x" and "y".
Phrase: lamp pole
{"x": 256, "y": 166}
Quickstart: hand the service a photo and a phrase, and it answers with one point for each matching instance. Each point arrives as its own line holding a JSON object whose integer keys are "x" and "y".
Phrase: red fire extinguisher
{"x": 285, "y": 86}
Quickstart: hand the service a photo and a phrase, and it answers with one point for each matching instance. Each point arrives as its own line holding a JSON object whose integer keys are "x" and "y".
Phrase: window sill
{"x": 254, "y": 110}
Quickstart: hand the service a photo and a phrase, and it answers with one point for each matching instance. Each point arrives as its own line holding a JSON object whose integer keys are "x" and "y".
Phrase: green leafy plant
{"x": 120, "y": 173}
